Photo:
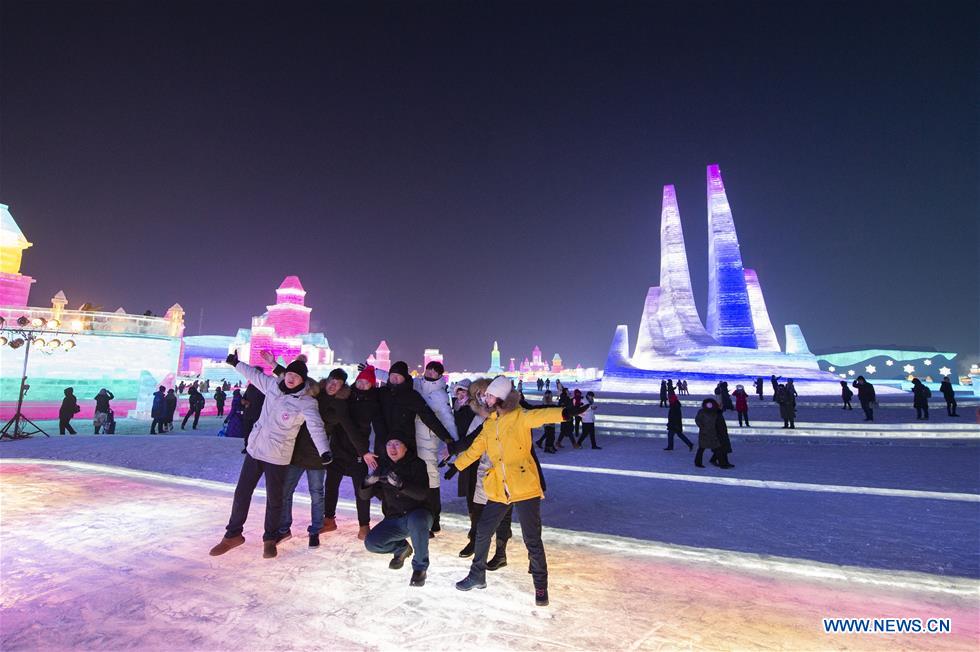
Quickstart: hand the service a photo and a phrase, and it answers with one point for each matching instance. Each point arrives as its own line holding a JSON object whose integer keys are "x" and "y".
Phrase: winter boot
{"x": 284, "y": 536}
{"x": 499, "y": 559}
{"x": 399, "y": 560}
{"x": 541, "y": 597}
{"x": 418, "y": 578}
{"x": 362, "y": 532}
{"x": 469, "y": 582}
{"x": 315, "y": 540}
{"x": 269, "y": 549}
{"x": 329, "y": 525}
{"x": 226, "y": 544}
{"x": 467, "y": 549}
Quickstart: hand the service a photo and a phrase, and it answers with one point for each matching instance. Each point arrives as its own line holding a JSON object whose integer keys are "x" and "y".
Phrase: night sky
{"x": 446, "y": 174}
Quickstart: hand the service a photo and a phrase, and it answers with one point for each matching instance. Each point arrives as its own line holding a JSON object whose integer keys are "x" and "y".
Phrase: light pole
{"x": 26, "y": 332}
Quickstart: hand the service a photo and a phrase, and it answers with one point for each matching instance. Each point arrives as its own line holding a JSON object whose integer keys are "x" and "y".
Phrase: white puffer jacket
{"x": 427, "y": 442}
{"x": 274, "y": 435}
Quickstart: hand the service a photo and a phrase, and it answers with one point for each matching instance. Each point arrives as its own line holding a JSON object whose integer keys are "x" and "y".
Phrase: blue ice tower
{"x": 729, "y": 310}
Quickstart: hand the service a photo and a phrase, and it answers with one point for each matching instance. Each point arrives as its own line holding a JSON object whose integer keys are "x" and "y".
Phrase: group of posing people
{"x": 393, "y": 442}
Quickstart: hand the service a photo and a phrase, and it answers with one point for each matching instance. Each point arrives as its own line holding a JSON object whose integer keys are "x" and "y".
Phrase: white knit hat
{"x": 500, "y": 387}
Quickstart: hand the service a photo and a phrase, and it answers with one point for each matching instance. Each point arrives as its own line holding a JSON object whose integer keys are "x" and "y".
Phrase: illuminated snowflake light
{"x": 871, "y": 369}
{"x": 908, "y": 369}
{"x": 889, "y": 362}
{"x": 850, "y": 372}
{"x": 945, "y": 371}
{"x": 831, "y": 368}
{"x": 927, "y": 362}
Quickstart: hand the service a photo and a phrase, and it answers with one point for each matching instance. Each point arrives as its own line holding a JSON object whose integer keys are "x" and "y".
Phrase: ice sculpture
{"x": 729, "y": 315}
{"x": 495, "y": 367}
{"x": 765, "y": 335}
{"x": 739, "y": 344}
{"x": 15, "y": 288}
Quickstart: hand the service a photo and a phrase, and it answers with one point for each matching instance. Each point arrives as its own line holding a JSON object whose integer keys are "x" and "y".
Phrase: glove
{"x": 393, "y": 480}
{"x": 451, "y": 446}
{"x": 371, "y": 480}
{"x": 326, "y": 458}
{"x": 446, "y": 460}
{"x": 232, "y": 358}
{"x": 451, "y": 472}
{"x": 360, "y": 367}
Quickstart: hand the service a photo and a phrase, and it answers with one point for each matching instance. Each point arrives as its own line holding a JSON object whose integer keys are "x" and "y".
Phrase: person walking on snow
{"x": 547, "y": 439}
{"x": 195, "y": 403}
{"x": 513, "y": 479}
{"x": 845, "y": 395}
{"x": 171, "y": 407}
{"x": 741, "y": 405}
{"x": 102, "y": 409}
{"x": 759, "y": 384}
{"x": 565, "y": 429}
{"x": 663, "y": 393}
{"x": 588, "y": 421}
{"x": 69, "y": 408}
{"x": 219, "y": 400}
{"x": 675, "y": 425}
{"x": 946, "y": 389}
{"x": 713, "y": 434}
{"x": 290, "y": 401}
{"x": 920, "y": 399}
{"x": 158, "y": 410}
{"x": 402, "y": 483}
{"x": 866, "y": 397}
{"x": 787, "y": 406}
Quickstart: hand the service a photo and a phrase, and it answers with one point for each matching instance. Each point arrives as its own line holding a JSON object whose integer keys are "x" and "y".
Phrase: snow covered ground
{"x": 645, "y": 550}
{"x": 124, "y": 564}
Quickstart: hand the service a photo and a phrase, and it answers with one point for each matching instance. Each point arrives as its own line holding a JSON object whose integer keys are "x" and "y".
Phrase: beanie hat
{"x": 400, "y": 367}
{"x": 339, "y": 374}
{"x": 409, "y": 441}
{"x": 298, "y": 367}
{"x": 436, "y": 366}
{"x": 500, "y": 387}
{"x": 464, "y": 385}
{"x": 367, "y": 374}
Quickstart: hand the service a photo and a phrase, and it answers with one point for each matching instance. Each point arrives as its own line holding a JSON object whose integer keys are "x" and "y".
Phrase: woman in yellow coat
{"x": 512, "y": 479}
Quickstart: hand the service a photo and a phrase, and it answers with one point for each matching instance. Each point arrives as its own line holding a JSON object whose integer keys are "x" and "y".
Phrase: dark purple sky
{"x": 447, "y": 174}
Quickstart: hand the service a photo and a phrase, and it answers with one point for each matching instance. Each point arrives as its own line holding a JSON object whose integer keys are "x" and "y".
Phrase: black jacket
{"x": 195, "y": 400}
{"x": 365, "y": 413}
{"x": 102, "y": 401}
{"x": 219, "y": 396}
{"x": 675, "y": 423}
{"x": 347, "y": 441}
{"x": 400, "y": 404}
{"x": 255, "y": 399}
{"x": 866, "y": 391}
{"x": 170, "y": 401}
{"x": 69, "y": 407}
{"x": 946, "y": 389}
{"x": 412, "y": 495}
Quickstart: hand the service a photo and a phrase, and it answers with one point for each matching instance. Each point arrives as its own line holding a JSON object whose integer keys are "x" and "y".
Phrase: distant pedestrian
{"x": 548, "y": 438}
{"x": 69, "y": 408}
{"x": 946, "y": 389}
{"x": 866, "y": 396}
{"x": 181, "y": 387}
{"x": 588, "y": 422}
{"x": 685, "y": 391}
{"x": 775, "y": 385}
{"x": 547, "y": 384}
{"x": 791, "y": 388}
{"x": 102, "y": 410}
{"x": 787, "y": 406}
{"x": 195, "y": 403}
{"x": 565, "y": 429}
{"x": 675, "y": 425}
{"x": 219, "y": 400}
{"x": 845, "y": 395}
{"x": 577, "y": 401}
{"x": 158, "y": 411}
{"x": 234, "y": 426}
{"x": 741, "y": 405}
{"x": 252, "y": 402}
{"x": 920, "y": 399}
{"x": 759, "y": 385}
{"x": 540, "y": 384}
{"x": 713, "y": 434}
{"x": 724, "y": 397}
{"x": 663, "y": 393}
{"x": 170, "y": 406}
{"x": 520, "y": 386}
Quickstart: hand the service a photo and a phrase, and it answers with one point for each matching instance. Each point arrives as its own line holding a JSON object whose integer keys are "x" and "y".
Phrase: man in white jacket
{"x": 432, "y": 386}
{"x": 289, "y": 402}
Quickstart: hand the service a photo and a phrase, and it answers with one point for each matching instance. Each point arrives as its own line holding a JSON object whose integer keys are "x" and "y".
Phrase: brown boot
{"x": 362, "y": 532}
{"x": 329, "y": 525}
{"x": 227, "y": 544}
{"x": 269, "y": 549}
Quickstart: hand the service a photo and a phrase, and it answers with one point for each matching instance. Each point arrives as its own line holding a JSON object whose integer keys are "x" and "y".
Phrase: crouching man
{"x": 402, "y": 483}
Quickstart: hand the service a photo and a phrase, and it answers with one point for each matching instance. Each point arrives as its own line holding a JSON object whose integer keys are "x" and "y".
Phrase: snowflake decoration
{"x": 927, "y": 362}
{"x": 908, "y": 369}
{"x": 850, "y": 372}
{"x": 871, "y": 369}
{"x": 889, "y": 362}
{"x": 831, "y": 369}
{"x": 945, "y": 371}
{"x": 842, "y": 375}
